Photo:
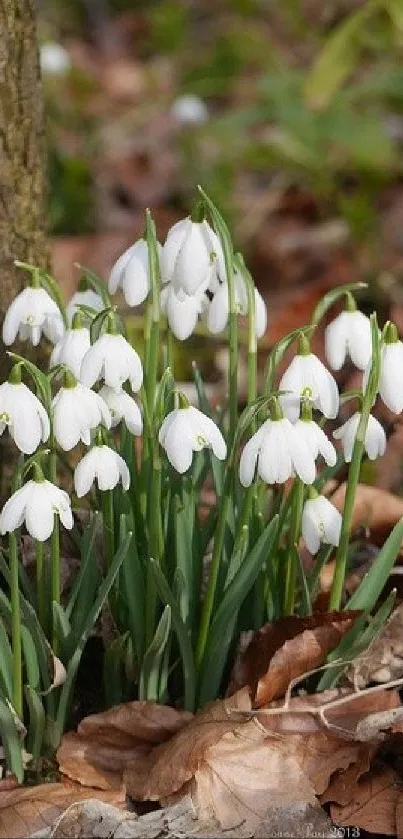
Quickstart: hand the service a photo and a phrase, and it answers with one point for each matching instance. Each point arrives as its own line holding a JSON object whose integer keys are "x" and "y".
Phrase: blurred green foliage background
{"x": 308, "y": 91}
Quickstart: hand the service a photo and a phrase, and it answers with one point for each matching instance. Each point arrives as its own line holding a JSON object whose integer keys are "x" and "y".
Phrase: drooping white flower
{"x": 88, "y": 298}
{"x": 279, "y": 452}
{"x": 77, "y": 410}
{"x": 187, "y": 430}
{"x": 391, "y": 378}
{"x": 131, "y": 273}
{"x": 321, "y": 523}
{"x": 349, "y": 334}
{"x": 218, "y": 309}
{"x": 189, "y": 251}
{"x": 36, "y": 503}
{"x": 375, "y": 437}
{"x": 30, "y": 313}
{"x": 54, "y": 59}
{"x": 103, "y": 465}
{"x": 182, "y": 310}
{"x": 72, "y": 349}
{"x": 25, "y": 416}
{"x": 316, "y": 440}
{"x": 189, "y": 109}
{"x": 112, "y": 359}
{"x": 123, "y": 406}
{"x": 307, "y": 376}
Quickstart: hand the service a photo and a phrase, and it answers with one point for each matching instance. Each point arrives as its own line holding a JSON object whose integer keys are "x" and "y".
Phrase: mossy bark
{"x": 22, "y": 160}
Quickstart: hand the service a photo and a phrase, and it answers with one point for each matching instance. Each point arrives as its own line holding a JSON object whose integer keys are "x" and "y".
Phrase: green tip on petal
{"x": 306, "y": 410}
{"x": 312, "y": 493}
{"x": 78, "y": 321}
{"x": 99, "y": 437}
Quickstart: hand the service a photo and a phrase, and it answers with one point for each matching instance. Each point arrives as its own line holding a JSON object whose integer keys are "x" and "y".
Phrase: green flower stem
{"x": 354, "y": 472}
{"x": 55, "y": 538}
{"x": 156, "y": 544}
{"x": 295, "y": 529}
{"x": 233, "y": 357}
{"x": 15, "y": 625}
{"x": 252, "y": 340}
{"x": 40, "y": 583}
{"x": 109, "y": 526}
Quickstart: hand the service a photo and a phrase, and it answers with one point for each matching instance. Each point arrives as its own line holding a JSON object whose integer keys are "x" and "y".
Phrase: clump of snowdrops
{"x": 179, "y": 581}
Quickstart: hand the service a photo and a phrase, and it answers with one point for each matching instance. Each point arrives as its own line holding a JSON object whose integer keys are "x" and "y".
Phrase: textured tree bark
{"x": 22, "y": 160}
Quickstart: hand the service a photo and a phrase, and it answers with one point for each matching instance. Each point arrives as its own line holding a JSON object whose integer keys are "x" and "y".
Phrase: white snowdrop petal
{"x": 192, "y": 262}
{"x": 217, "y": 311}
{"x": 309, "y": 530}
{"x": 39, "y": 513}
{"x": 124, "y": 473}
{"x": 107, "y": 471}
{"x": 302, "y": 458}
{"x": 359, "y": 339}
{"x": 375, "y": 439}
{"x": 210, "y": 431}
{"x": 268, "y": 459}
{"x": 115, "y": 276}
{"x": 171, "y": 248}
{"x": 260, "y": 315}
{"x": 391, "y": 382}
{"x": 336, "y": 342}
{"x": 179, "y": 451}
{"x": 13, "y": 512}
{"x": 11, "y": 323}
{"x": 84, "y": 473}
{"x": 182, "y": 313}
{"x": 92, "y": 364}
{"x": 26, "y": 431}
{"x": 247, "y": 465}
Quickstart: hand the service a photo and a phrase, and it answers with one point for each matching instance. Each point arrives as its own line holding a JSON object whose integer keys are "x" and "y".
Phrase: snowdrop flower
{"x": 279, "y": 452}
{"x": 36, "y": 503}
{"x": 186, "y": 430}
{"x": 88, "y": 298}
{"x": 77, "y": 410}
{"x": 23, "y": 413}
{"x": 189, "y": 110}
{"x": 32, "y": 312}
{"x": 103, "y": 465}
{"x": 190, "y": 249}
{"x": 316, "y": 440}
{"x": 72, "y": 348}
{"x": 218, "y": 311}
{"x": 123, "y": 406}
{"x": 390, "y": 378}
{"x": 375, "y": 437}
{"x": 54, "y": 59}
{"x": 112, "y": 359}
{"x": 131, "y": 273}
{"x": 321, "y": 523}
{"x": 307, "y": 376}
{"x": 349, "y": 334}
{"x": 182, "y": 310}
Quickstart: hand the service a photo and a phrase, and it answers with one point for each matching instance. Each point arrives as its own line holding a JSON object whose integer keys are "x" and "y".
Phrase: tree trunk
{"x": 22, "y": 158}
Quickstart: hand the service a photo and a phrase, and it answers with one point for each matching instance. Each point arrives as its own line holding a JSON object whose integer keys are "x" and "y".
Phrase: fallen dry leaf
{"x": 105, "y": 744}
{"x": 374, "y": 803}
{"x": 282, "y": 651}
{"x": 172, "y": 764}
{"x": 374, "y": 509}
{"x": 26, "y": 810}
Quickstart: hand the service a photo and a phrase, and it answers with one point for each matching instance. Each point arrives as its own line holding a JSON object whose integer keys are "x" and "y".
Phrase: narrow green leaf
{"x": 150, "y": 670}
{"x": 338, "y": 58}
{"x": 371, "y": 586}
{"x": 113, "y": 670}
{"x": 97, "y": 284}
{"x": 80, "y": 640}
{"x": 182, "y": 634}
{"x": 221, "y": 629}
{"x": 6, "y": 663}
{"x": 11, "y": 741}
{"x": 133, "y": 592}
{"x": 37, "y": 722}
{"x": 87, "y": 551}
{"x": 30, "y": 658}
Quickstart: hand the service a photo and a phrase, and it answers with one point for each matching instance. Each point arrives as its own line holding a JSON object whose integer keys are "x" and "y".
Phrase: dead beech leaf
{"x": 374, "y": 509}
{"x": 107, "y": 743}
{"x": 374, "y": 803}
{"x": 25, "y": 810}
{"x": 280, "y": 652}
{"x": 172, "y": 764}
